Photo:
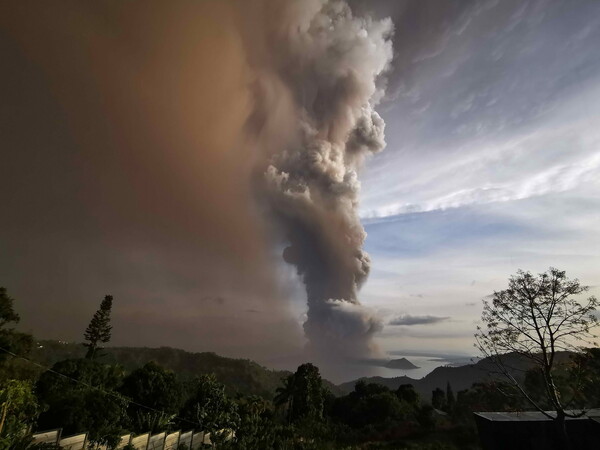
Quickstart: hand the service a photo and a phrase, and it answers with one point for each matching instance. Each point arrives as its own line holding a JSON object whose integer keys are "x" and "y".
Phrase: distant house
{"x": 531, "y": 430}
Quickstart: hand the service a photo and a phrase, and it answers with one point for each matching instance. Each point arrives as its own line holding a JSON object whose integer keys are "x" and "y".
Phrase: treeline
{"x": 238, "y": 375}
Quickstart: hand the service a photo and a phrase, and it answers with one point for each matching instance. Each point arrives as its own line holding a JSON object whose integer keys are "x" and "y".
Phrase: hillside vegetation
{"x": 238, "y": 375}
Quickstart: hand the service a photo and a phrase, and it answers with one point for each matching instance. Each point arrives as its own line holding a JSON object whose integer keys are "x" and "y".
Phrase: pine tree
{"x": 98, "y": 331}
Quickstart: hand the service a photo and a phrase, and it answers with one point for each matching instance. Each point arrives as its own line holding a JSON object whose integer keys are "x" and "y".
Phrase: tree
{"x": 586, "y": 370}
{"x": 375, "y": 410}
{"x": 536, "y": 318}
{"x": 284, "y": 395}
{"x": 256, "y": 428}
{"x": 98, "y": 331}
{"x": 18, "y": 410}
{"x": 209, "y": 407}
{"x": 83, "y": 398}
{"x": 407, "y": 393}
{"x": 11, "y": 340}
{"x": 303, "y": 393}
{"x": 155, "y": 387}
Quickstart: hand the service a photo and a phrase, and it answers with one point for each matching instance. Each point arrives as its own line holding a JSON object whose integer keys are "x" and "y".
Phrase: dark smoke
{"x": 317, "y": 84}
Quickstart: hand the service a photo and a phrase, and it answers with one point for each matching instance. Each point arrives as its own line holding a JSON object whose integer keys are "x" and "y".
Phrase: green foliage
{"x": 407, "y": 393}
{"x": 208, "y": 406}
{"x": 586, "y": 372}
{"x": 303, "y": 394}
{"x": 155, "y": 387}
{"x": 284, "y": 395}
{"x": 489, "y": 396}
{"x": 376, "y": 411}
{"x": 18, "y": 411}
{"x": 7, "y": 312}
{"x": 98, "y": 331}
{"x": 256, "y": 428}
{"x": 88, "y": 404}
{"x": 577, "y": 380}
{"x": 426, "y": 418}
{"x": 10, "y": 340}
{"x": 240, "y": 376}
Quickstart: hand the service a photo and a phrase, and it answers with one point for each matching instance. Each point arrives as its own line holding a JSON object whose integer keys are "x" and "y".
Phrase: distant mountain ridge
{"x": 238, "y": 375}
{"x": 460, "y": 378}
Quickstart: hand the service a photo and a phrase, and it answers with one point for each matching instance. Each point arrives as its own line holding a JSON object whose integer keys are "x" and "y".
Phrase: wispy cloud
{"x": 547, "y": 178}
{"x": 407, "y": 320}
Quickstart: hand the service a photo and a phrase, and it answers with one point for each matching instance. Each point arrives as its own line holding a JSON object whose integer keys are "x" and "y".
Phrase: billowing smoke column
{"x": 328, "y": 64}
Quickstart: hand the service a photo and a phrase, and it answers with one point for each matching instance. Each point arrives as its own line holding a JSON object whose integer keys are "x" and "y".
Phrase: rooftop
{"x": 530, "y": 416}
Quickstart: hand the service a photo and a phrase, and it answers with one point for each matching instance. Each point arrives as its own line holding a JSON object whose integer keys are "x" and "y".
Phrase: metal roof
{"x": 531, "y": 416}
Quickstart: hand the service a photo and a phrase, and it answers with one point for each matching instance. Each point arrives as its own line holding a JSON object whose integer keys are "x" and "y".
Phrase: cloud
{"x": 528, "y": 131}
{"x": 408, "y": 320}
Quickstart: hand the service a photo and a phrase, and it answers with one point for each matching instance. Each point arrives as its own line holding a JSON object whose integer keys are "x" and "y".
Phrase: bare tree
{"x": 536, "y": 317}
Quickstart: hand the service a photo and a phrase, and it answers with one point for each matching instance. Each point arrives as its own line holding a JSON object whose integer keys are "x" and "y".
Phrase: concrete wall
{"x": 77, "y": 442}
{"x": 159, "y": 441}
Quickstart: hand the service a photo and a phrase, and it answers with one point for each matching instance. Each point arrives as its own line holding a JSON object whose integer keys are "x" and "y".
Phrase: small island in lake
{"x": 401, "y": 363}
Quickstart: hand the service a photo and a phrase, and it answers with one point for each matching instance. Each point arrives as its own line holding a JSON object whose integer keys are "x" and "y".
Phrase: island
{"x": 401, "y": 363}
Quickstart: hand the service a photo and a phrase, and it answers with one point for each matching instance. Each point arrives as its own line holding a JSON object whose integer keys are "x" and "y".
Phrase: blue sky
{"x": 492, "y": 163}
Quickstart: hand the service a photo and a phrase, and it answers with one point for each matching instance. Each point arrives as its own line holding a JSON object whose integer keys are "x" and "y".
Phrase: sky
{"x": 126, "y": 168}
{"x": 492, "y": 163}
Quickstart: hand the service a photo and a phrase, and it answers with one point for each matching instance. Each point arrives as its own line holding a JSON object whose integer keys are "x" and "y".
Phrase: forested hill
{"x": 460, "y": 378}
{"x": 238, "y": 375}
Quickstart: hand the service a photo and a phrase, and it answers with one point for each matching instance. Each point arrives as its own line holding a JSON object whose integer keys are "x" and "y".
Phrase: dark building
{"x": 531, "y": 430}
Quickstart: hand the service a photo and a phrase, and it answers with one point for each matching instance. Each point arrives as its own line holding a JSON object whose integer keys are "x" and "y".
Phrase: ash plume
{"x": 319, "y": 75}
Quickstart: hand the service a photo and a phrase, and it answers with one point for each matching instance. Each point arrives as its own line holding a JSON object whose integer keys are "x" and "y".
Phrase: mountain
{"x": 459, "y": 378}
{"x": 401, "y": 363}
{"x": 238, "y": 375}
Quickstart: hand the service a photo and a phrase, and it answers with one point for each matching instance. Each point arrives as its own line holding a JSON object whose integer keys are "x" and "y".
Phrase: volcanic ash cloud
{"x": 319, "y": 76}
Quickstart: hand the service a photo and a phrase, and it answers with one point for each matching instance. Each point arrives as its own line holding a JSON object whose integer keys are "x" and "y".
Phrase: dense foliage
{"x": 160, "y": 393}
{"x": 81, "y": 395}
{"x": 11, "y": 341}
{"x": 240, "y": 376}
{"x": 18, "y": 410}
